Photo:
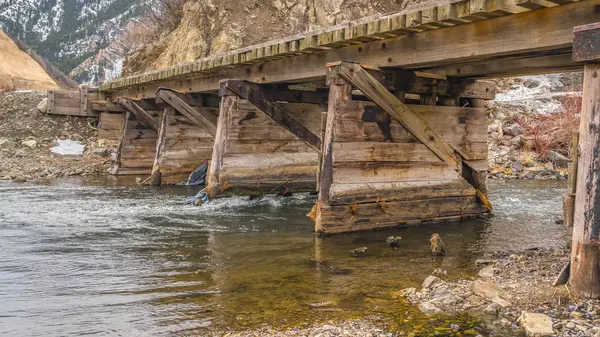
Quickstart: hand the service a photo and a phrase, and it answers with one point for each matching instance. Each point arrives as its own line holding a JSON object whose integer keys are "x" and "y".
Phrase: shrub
{"x": 554, "y": 132}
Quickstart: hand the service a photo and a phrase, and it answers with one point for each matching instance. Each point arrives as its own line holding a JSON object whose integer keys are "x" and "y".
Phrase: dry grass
{"x": 553, "y": 132}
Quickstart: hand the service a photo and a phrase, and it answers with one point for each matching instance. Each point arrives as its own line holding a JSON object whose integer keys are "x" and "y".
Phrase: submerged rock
{"x": 429, "y": 308}
{"x": 394, "y": 241}
{"x": 437, "y": 245}
{"x": 357, "y": 252}
{"x": 536, "y": 325}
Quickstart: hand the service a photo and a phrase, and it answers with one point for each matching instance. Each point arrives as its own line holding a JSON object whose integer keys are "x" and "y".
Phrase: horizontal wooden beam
{"x": 513, "y": 66}
{"x": 259, "y": 97}
{"x": 139, "y": 113}
{"x": 197, "y": 116}
{"x": 547, "y": 30}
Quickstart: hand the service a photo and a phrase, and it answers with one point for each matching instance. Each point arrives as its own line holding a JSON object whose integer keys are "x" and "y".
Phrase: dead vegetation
{"x": 553, "y": 132}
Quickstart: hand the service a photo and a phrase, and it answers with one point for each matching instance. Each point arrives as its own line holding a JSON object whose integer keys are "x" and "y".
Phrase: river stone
{"x": 7, "y": 144}
{"x": 429, "y": 308}
{"x": 536, "y": 325}
{"x": 487, "y": 272}
{"x": 493, "y": 309}
{"x": 502, "y": 302}
{"x": 487, "y": 289}
{"x": 431, "y": 281}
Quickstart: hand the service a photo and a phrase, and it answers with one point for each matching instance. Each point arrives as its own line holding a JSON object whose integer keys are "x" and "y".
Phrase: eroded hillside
{"x": 210, "y": 27}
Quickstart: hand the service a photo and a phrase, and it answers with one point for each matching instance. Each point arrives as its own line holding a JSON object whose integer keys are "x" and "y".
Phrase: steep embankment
{"x": 210, "y": 27}
{"x": 19, "y": 71}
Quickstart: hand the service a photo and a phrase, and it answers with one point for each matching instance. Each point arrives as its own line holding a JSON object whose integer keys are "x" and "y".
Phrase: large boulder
{"x": 536, "y": 325}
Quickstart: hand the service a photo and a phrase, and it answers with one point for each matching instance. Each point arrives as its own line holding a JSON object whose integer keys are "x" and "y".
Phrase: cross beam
{"x": 199, "y": 117}
{"x": 261, "y": 99}
{"x": 139, "y": 113}
{"x": 362, "y": 80}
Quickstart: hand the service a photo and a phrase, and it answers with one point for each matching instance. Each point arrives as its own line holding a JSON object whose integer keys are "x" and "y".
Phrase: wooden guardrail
{"x": 73, "y": 103}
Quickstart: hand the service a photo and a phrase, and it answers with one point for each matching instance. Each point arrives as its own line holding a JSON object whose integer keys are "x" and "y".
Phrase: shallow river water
{"x": 98, "y": 257}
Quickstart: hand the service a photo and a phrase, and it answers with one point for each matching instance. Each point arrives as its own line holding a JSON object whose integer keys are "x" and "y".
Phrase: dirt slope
{"x": 18, "y": 71}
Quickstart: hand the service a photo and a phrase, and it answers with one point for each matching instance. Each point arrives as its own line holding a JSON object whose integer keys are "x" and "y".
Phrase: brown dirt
{"x": 18, "y": 71}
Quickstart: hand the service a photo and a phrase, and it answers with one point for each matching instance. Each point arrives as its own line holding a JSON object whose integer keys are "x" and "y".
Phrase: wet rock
{"x": 440, "y": 272}
{"x": 394, "y": 241}
{"x": 487, "y": 272}
{"x": 531, "y": 83}
{"x": 493, "y": 309}
{"x": 437, "y": 245}
{"x": 536, "y": 325}
{"x": 358, "y": 252}
{"x": 482, "y": 262}
{"x": 431, "y": 281}
{"x": 42, "y": 107}
{"x": 429, "y": 308}
{"x": 513, "y": 130}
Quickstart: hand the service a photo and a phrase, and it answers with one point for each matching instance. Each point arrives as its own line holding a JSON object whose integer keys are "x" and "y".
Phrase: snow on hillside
{"x": 70, "y": 33}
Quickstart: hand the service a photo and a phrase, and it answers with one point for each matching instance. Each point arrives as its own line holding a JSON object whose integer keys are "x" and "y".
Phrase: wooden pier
{"x": 384, "y": 118}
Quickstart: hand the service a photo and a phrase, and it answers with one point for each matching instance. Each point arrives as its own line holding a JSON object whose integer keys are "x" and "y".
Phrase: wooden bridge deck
{"x": 474, "y": 38}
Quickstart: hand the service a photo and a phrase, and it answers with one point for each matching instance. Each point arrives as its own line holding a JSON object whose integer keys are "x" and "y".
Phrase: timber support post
{"x": 267, "y": 140}
{"x": 585, "y": 257}
{"x": 385, "y": 163}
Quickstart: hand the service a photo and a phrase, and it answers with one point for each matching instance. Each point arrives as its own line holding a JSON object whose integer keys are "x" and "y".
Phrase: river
{"x": 104, "y": 257}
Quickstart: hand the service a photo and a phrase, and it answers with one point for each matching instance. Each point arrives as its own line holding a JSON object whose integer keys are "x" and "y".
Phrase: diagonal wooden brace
{"x": 199, "y": 118}
{"x": 258, "y": 97}
{"x": 139, "y": 113}
{"x": 363, "y": 81}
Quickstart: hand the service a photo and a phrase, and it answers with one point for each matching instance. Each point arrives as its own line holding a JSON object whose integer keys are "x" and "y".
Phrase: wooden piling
{"x": 585, "y": 257}
{"x": 568, "y": 200}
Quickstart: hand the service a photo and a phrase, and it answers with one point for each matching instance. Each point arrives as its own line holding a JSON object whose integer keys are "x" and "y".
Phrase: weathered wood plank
{"x": 358, "y": 77}
{"x": 198, "y": 117}
{"x": 381, "y": 152}
{"x": 259, "y": 98}
{"x": 139, "y": 113}
{"x": 345, "y": 194}
{"x": 351, "y": 173}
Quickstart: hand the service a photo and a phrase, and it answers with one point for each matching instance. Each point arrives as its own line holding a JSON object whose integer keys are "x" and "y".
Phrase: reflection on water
{"x": 101, "y": 258}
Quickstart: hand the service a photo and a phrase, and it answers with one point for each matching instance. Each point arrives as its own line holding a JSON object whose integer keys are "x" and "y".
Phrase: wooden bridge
{"x": 384, "y": 118}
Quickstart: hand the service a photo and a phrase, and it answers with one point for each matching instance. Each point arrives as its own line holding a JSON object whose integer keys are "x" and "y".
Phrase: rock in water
{"x": 394, "y": 241}
{"x": 536, "y": 325}
{"x": 437, "y": 245}
{"x": 357, "y": 252}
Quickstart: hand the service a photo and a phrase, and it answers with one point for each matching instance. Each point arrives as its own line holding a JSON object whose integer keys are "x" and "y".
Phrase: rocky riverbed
{"x": 512, "y": 295}
{"x": 36, "y": 147}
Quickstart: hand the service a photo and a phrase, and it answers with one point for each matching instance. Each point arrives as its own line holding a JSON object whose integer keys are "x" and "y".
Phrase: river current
{"x": 104, "y": 257}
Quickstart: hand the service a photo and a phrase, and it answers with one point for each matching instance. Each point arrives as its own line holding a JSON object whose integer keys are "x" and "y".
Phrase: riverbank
{"x": 29, "y": 140}
{"x": 513, "y": 294}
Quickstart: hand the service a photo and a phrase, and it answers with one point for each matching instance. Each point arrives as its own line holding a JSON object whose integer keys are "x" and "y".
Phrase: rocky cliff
{"x": 214, "y": 26}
